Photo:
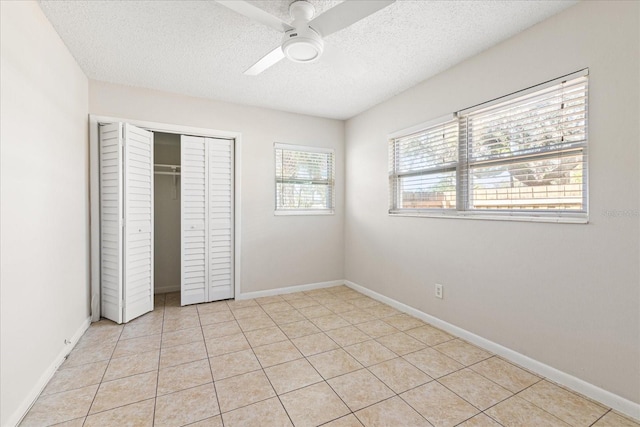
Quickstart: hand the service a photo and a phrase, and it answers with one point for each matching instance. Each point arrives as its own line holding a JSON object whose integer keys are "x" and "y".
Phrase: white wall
{"x": 166, "y": 221}
{"x": 565, "y": 295}
{"x": 44, "y": 203}
{"x": 276, "y": 251}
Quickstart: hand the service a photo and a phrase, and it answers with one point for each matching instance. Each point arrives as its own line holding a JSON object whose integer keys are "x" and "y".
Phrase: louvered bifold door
{"x": 138, "y": 213}
{"x": 220, "y": 216}
{"x": 111, "y": 225}
{"x": 194, "y": 253}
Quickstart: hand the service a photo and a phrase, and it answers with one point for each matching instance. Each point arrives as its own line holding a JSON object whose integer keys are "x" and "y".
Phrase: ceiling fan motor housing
{"x": 302, "y": 44}
{"x": 302, "y": 40}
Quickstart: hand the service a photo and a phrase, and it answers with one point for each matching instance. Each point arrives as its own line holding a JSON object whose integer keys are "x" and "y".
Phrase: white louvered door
{"x": 193, "y": 247}
{"x": 207, "y": 219}
{"x": 126, "y": 221}
{"x": 138, "y": 231}
{"x": 220, "y": 203}
{"x": 111, "y": 214}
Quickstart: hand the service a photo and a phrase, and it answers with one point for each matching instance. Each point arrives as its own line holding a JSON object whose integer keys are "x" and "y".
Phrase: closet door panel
{"x": 193, "y": 189}
{"x": 138, "y": 249}
{"x": 111, "y": 214}
{"x": 220, "y": 203}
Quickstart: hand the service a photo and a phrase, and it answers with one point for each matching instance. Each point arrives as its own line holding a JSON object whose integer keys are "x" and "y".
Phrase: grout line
{"x": 153, "y": 415}
{"x": 213, "y": 382}
{"x": 339, "y": 418}
{"x": 303, "y": 357}
{"x": 278, "y": 396}
{"x": 463, "y": 398}
{"x": 266, "y": 376}
{"x": 539, "y": 407}
{"x": 516, "y": 395}
{"x": 499, "y": 385}
{"x": 340, "y": 347}
{"x": 493, "y": 419}
{"x": 75, "y": 388}
{"x": 102, "y": 378}
{"x": 601, "y": 417}
{"x": 155, "y": 398}
{"x": 118, "y": 407}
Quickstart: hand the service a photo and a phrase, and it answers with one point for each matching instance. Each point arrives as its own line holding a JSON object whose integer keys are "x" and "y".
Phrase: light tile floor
{"x": 330, "y": 357}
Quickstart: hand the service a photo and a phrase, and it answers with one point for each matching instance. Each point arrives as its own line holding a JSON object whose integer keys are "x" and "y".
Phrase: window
{"x": 304, "y": 180}
{"x": 522, "y": 156}
{"x": 424, "y": 168}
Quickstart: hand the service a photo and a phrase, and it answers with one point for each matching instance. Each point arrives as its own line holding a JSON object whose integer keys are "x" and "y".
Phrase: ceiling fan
{"x": 303, "y": 38}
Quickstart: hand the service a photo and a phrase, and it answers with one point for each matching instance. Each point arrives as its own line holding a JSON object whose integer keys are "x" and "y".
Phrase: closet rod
{"x": 166, "y": 173}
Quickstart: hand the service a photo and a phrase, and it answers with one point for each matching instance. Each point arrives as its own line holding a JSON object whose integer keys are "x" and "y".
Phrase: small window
{"x": 523, "y": 156}
{"x": 424, "y": 167}
{"x": 304, "y": 180}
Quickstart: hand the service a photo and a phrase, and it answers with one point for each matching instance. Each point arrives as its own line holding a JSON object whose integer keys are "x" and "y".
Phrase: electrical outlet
{"x": 439, "y": 291}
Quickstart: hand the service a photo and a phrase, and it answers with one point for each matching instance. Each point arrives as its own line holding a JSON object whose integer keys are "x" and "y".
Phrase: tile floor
{"x": 331, "y": 357}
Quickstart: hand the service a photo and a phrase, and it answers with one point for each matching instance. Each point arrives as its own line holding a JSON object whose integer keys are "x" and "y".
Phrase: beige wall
{"x": 565, "y": 295}
{"x": 166, "y": 237}
{"x": 44, "y": 202}
{"x": 276, "y": 251}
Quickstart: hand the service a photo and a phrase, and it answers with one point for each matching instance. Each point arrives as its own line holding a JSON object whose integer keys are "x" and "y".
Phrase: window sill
{"x": 495, "y": 217}
{"x": 306, "y": 212}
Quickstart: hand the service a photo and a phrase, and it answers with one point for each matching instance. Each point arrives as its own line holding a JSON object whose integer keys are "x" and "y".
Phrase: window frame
{"x": 396, "y": 177}
{"x": 463, "y": 209}
{"x": 278, "y": 211}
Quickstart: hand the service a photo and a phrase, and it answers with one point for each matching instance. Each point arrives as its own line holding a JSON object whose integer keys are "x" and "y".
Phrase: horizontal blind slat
{"x": 304, "y": 179}
{"x": 526, "y": 153}
{"x": 529, "y": 153}
{"x": 422, "y": 168}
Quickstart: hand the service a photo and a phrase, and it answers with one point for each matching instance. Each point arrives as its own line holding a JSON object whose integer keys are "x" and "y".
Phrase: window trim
{"x": 331, "y": 181}
{"x": 462, "y": 210}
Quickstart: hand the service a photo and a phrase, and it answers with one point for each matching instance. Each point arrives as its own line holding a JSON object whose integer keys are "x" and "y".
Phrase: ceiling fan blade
{"x": 346, "y": 13}
{"x": 267, "y": 61}
{"x": 257, "y": 14}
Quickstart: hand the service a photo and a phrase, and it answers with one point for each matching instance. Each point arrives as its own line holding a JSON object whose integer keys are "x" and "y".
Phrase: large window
{"x": 522, "y": 156}
{"x": 304, "y": 180}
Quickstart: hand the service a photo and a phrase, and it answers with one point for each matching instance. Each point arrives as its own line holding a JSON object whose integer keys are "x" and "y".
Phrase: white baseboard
{"x": 605, "y": 397}
{"x": 44, "y": 379}
{"x": 289, "y": 289}
{"x": 165, "y": 289}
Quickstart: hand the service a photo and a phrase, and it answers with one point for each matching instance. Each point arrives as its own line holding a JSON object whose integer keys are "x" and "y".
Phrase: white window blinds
{"x": 529, "y": 153}
{"x": 423, "y": 168}
{"x": 304, "y": 179}
{"x": 521, "y": 155}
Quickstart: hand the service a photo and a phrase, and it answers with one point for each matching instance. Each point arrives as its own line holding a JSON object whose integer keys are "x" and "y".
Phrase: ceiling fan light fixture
{"x": 302, "y": 45}
{"x": 302, "y": 40}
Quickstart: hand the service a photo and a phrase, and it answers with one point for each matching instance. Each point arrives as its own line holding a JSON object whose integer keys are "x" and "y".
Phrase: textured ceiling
{"x": 201, "y": 48}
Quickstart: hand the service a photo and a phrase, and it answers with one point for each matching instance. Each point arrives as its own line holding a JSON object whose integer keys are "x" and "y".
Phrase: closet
{"x": 166, "y": 212}
{"x": 166, "y": 218}
{"x": 207, "y": 219}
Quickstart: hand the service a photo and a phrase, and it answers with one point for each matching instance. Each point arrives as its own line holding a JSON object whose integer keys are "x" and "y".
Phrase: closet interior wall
{"x": 166, "y": 213}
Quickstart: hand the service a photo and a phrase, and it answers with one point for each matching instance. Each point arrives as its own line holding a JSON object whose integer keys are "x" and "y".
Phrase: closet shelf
{"x": 163, "y": 169}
